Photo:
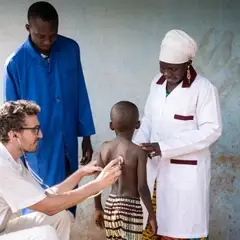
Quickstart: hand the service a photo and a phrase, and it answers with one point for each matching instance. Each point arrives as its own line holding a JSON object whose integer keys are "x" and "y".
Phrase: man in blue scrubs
{"x": 47, "y": 69}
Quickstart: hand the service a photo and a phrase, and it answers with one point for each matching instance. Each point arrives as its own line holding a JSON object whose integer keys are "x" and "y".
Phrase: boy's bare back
{"x": 133, "y": 167}
{"x": 133, "y": 180}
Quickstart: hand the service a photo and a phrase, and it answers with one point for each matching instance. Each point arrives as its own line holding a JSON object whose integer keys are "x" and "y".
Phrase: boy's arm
{"x": 97, "y": 199}
{"x": 142, "y": 183}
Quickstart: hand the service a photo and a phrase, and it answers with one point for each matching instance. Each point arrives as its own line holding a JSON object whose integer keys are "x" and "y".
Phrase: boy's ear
{"x": 111, "y": 126}
{"x": 138, "y": 125}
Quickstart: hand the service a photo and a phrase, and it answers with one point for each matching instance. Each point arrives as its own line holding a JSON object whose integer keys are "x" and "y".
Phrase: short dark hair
{"x": 124, "y": 116}
{"x": 43, "y": 10}
{"x": 12, "y": 116}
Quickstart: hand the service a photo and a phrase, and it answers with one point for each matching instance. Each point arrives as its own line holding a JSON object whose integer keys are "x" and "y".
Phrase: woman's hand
{"x": 153, "y": 149}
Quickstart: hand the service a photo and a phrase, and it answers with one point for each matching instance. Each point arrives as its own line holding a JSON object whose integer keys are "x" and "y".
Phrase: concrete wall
{"x": 120, "y": 43}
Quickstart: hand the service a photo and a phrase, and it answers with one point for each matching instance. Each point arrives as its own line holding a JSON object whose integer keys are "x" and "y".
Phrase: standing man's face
{"x": 43, "y": 34}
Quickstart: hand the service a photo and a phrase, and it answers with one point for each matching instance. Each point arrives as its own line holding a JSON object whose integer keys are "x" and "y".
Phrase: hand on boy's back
{"x": 153, "y": 225}
{"x": 153, "y": 149}
{"x": 99, "y": 220}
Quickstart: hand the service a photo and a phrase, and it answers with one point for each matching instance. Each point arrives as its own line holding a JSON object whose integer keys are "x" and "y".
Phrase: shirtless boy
{"x": 122, "y": 217}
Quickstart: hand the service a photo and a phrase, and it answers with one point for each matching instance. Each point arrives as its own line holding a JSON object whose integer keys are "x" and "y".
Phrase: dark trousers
{"x": 68, "y": 171}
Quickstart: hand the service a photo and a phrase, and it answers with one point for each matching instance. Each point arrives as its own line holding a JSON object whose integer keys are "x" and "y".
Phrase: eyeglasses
{"x": 33, "y": 129}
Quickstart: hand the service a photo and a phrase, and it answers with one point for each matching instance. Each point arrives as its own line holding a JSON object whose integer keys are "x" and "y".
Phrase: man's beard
{"x": 33, "y": 148}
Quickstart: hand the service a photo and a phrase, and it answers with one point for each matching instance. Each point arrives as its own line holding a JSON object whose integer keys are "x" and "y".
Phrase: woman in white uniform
{"x": 181, "y": 120}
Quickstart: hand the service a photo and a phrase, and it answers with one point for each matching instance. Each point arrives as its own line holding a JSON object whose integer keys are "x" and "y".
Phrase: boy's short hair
{"x": 124, "y": 116}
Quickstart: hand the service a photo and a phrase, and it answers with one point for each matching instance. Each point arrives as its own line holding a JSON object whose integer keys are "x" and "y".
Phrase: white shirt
{"x": 18, "y": 189}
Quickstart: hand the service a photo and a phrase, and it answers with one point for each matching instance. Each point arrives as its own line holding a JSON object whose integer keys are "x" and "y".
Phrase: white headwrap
{"x": 177, "y": 47}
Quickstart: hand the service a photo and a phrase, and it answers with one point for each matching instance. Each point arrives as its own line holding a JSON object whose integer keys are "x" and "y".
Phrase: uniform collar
{"x": 185, "y": 82}
{"x": 34, "y": 53}
{"x": 6, "y": 156}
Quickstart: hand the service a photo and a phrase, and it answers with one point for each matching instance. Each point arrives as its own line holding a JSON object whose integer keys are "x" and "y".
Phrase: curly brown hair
{"x": 12, "y": 116}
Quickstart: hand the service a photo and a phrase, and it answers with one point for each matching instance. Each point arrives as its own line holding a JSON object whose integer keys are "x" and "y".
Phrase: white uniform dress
{"x": 185, "y": 124}
{"x": 19, "y": 190}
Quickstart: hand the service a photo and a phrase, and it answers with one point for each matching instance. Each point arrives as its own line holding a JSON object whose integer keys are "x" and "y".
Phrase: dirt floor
{"x": 84, "y": 227}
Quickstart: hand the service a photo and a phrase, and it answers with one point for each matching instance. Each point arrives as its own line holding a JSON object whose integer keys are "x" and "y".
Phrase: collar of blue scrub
{"x": 185, "y": 82}
{"x": 35, "y": 54}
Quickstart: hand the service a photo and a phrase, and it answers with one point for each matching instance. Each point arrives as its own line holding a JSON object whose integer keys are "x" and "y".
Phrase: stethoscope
{"x": 33, "y": 174}
{"x": 38, "y": 179}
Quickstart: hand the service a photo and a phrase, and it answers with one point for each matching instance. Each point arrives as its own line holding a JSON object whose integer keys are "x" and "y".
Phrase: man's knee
{"x": 48, "y": 232}
{"x": 65, "y": 217}
{"x": 63, "y": 224}
{"x": 45, "y": 232}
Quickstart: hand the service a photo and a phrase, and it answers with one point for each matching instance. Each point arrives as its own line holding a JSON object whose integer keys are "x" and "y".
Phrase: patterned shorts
{"x": 123, "y": 218}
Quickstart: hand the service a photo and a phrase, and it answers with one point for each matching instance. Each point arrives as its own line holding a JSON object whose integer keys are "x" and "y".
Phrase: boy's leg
{"x": 61, "y": 222}
{"x": 69, "y": 172}
{"x": 147, "y": 234}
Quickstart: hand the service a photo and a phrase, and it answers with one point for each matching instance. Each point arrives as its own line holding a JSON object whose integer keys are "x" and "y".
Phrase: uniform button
{"x": 57, "y": 100}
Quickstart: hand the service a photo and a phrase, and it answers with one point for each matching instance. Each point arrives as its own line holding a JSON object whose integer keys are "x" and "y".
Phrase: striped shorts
{"x": 123, "y": 218}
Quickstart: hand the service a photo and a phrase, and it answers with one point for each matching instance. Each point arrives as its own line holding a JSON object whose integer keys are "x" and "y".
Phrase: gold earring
{"x": 188, "y": 74}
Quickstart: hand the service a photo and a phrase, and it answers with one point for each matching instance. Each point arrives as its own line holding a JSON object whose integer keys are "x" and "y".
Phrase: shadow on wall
{"x": 216, "y": 60}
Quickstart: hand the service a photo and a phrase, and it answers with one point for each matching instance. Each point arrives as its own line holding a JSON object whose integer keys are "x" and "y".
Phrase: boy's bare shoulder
{"x": 106, "y": 145}
{"x": 106, "y": 149}
{"x": 138, "y": 150}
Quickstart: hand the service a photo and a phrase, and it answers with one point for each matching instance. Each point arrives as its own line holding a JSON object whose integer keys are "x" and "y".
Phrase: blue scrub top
{"x": 58, "y": 87}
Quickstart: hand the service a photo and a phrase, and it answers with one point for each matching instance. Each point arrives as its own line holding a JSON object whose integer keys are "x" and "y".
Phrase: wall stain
{"x": 228, "y": 159}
